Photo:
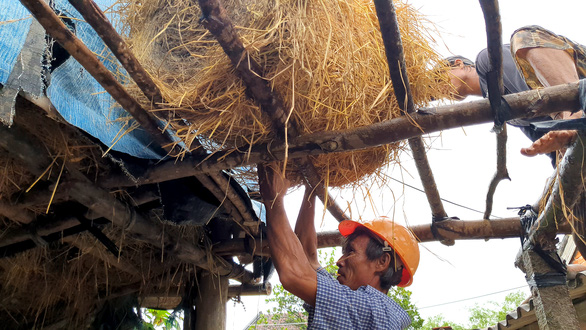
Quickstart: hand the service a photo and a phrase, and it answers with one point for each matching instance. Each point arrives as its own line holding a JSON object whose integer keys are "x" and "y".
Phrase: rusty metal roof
{"x": 524, "y": 315}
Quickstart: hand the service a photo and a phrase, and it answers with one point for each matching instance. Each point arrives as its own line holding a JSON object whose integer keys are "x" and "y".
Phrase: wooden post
{"x": 210, "y": 302}
{"x": 553, "y": 306}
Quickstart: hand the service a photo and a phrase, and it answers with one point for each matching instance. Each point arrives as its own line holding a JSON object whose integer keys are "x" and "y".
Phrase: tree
{"x": 403, "y": 297}
{"x": 480, "y": 316}
{"x": 493, "y": 312}
{"x": 290, "y": 311}
{"x": 161, "y": 319}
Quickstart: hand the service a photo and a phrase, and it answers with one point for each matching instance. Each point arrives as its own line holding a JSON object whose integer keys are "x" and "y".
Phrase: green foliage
{"x": 440, "y": 321}
{"x": 481, "y": 316}
{"x": 403, "y": 297}
{"x": 493, "y": 312}
{"x": 159, "y": 318}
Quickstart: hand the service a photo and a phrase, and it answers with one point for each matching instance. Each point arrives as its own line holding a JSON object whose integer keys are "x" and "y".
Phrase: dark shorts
{"x": 534, "y": 36}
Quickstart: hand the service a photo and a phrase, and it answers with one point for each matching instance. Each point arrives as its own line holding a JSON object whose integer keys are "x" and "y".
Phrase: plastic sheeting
{"x": 76, "y": 95}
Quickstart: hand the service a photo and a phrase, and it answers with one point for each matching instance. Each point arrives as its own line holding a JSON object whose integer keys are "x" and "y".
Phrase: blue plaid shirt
{"x": 339, "y": 307}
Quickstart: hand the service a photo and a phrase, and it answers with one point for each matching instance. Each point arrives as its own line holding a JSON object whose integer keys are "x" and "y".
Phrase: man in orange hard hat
{"x": 376, "y": 256}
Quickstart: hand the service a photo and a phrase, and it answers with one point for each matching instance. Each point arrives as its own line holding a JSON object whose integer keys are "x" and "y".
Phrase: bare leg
{"x": 552, "y": 67}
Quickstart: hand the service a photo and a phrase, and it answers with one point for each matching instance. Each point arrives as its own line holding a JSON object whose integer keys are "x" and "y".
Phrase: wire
{"x": 443, "y": 199}
{"x": 465, "y": 299}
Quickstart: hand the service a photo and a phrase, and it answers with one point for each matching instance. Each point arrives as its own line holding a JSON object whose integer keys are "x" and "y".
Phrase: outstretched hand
{"x": 552, "y": 141}
{"x": 273, "y": 184}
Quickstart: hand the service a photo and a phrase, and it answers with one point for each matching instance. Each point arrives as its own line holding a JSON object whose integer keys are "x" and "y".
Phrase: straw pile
{"x": 325, "y": 59}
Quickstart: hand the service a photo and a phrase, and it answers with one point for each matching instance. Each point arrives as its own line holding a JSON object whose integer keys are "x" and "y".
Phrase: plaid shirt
{"x": 339, "y": 307}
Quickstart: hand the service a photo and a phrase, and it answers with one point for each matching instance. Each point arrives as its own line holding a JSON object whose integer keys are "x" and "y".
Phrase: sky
{"x": 463, "y": 161}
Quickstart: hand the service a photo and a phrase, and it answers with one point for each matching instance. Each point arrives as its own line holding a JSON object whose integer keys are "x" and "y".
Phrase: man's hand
{"x": 552, "y": 141}
{"x": 273, "y": 185}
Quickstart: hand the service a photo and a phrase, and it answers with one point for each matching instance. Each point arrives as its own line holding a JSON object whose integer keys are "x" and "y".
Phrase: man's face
{"x": 355, "y": 270}
{"x": 457, "y": 75}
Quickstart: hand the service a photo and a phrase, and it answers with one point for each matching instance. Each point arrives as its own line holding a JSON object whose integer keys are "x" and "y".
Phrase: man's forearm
{"x": 305, "y": 228}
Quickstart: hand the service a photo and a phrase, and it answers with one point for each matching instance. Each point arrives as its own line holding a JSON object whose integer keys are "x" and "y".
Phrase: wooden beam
{"x": 387, "y": 17}
{"x": 250, "y": 290}
{"x": 523, "y": 105}
{"x": 76, "y": 48}
{"x": 100, "y": 201}
{"x": 16, "y": 213}
{"x": 21, "y": 234}
{"x": 566, "y": 190}
{"x": 450, "y": 229}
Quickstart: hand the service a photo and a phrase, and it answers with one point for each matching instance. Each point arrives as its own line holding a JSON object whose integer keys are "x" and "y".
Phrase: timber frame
{"x": 216, "y": 265}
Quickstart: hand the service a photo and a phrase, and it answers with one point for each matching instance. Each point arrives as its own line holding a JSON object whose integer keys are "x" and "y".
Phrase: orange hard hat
{"x": 398, "y": 237}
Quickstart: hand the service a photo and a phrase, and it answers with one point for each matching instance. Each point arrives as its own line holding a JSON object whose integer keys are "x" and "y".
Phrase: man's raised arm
{"x": 305, "y": 227}
{"x": 295, "y": 272}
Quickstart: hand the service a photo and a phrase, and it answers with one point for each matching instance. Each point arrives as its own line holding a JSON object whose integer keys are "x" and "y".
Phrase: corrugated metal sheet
{"x": 525, "y": 314}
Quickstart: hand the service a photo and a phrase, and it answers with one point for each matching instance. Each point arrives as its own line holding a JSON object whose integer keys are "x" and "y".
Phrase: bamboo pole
{"x": 75, "y": 47}
{"x": 389, "y": 27}
{"x": 523, "y": 105}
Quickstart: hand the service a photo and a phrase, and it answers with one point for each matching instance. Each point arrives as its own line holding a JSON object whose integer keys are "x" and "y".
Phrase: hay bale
{"x": 325, "y": 59}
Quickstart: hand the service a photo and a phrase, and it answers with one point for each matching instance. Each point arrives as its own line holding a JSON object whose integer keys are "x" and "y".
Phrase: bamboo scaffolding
{"x": 219, "y": 24}
{"x": 492, "y": 20}
{"x": 450, "y": 229}
{"x": 389, "y": 26}
{"x": 526, "y": 104}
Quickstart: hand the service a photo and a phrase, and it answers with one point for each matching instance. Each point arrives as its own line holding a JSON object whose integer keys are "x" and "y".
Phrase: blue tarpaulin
{"x": 77, "y": 96}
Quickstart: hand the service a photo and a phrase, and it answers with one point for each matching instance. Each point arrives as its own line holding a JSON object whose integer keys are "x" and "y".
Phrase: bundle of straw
{"x": 325, "y": 59}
